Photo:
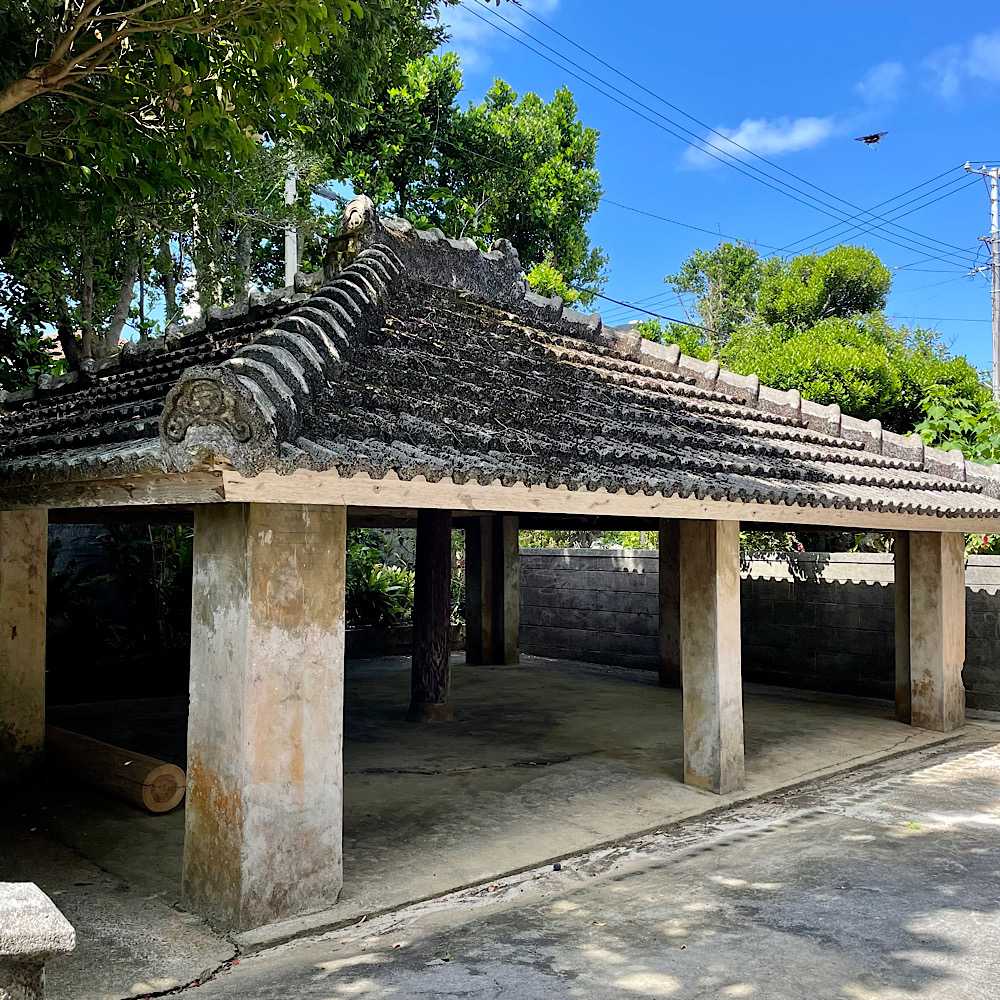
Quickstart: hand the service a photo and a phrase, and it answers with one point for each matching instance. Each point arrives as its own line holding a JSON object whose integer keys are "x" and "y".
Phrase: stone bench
{"x": 32, "y": 930}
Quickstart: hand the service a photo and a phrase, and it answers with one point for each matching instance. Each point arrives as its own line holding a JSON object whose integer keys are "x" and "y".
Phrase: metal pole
{"x": 291, "y": 234}
{"x": 992, "y": 174}
{"x": 995, "y": 250}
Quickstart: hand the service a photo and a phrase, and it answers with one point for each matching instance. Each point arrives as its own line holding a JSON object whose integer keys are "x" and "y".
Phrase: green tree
{"x": 155, "y": 157}
{"x": 816, "y": 324}
{"x": 842, "y": 282}
{"x": 692, "y": 341}
{"x": 725, "y": 282}
{"x": 510, "y": 166}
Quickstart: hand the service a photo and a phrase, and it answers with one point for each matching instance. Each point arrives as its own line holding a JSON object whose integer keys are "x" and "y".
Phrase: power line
{"x": 937, "y": 319}
{"x": 700, "y": 143}
{"x": 826, "y": 229}
{"x": 685, "y": 225}
{"x": 649, "y": 312}
{"x": 603, "y": 198}
{"x": 862, "y": 228}
{"x": 698, "y": 121}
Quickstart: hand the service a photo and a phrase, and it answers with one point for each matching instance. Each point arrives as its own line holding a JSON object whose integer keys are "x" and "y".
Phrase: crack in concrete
{"x": 205, "y": 977}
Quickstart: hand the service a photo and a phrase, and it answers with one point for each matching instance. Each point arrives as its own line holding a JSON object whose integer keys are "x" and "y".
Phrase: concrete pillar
{"x": 710, "y": 654}
{"x": 901, "y": 565}
{"x": 493, "y": 590}
{"x": 23, "y": 576}
{"x": 937, "y": 630}
{"x": 479, "y": 579}
{"x": 430, "y": 671}
{"x": 264, "y": 813}
{"x": 670, "y": 604}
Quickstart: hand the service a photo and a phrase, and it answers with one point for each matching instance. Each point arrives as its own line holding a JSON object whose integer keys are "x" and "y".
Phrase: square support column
{"x": 492, "y": 590}
{"x": 901, "y": 586}
{"x": 937, "y": 630}
{"x": 711, "y": 655}
{"x": 264, "y": 814}
{"x": 23, "y": 579}
{"x": 670, "y": 604}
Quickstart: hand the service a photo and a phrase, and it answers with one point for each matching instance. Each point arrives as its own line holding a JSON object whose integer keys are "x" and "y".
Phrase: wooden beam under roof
{"x": 392, "y": 502}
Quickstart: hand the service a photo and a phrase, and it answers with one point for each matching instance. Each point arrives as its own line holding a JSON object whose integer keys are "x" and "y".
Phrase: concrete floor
{"x": 882, "y": 885}
{"x": 545, "y": 760}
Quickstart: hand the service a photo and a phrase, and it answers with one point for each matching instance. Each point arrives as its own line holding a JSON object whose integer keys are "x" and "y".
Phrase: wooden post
{"x": 23, "y": 577}
{"x": 901, "y": 583}
{"x": 710, "y": 654}
{"x": 506, "y": 591}
{"x": 670, "y": 604}
{"x": 264, "y": 815}
{"x": 493, "y": 590}
{"x": 937, "y": 630}
{"x": 430, "y": 675}
{"x": 479, "y": 579}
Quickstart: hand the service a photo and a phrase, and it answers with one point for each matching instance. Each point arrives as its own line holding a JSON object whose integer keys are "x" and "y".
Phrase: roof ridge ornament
{"x": 358, "y": 221}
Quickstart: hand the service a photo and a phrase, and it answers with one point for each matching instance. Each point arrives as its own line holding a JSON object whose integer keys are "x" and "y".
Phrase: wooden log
{"x": 144, "y": 781}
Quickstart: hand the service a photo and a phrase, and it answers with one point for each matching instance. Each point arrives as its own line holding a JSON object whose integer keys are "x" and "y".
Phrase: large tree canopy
{"x": 144, "y": 145}
{"x": 510, "y": 166}
{"x": 816, "y": 324}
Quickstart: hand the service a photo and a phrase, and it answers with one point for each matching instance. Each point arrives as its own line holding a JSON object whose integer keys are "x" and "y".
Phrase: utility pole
{"x": 291, "y": 234}
{"x": 992, "y": 175}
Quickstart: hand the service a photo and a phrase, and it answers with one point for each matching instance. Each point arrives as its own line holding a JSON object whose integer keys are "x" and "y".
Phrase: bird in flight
{"x": 872, "y": 139}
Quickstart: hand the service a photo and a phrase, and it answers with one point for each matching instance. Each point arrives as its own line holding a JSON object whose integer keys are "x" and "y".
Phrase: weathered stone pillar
{"x": 901, "y": 586}
{"x": 493, "y": 590}
{"x": 32, "y": 931}
{"x": 710, "y": 654}
{"x": 430, "y": 673}
{"x": 670, "y": 604}
{"x": 937, "y": 630}
{"x": 23, "y": 576}
{"x": 479, "y": 579}
{"x": 264, "y": 813}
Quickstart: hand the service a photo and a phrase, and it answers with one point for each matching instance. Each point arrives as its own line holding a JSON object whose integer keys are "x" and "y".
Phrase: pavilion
{"x": 420, "y": 379}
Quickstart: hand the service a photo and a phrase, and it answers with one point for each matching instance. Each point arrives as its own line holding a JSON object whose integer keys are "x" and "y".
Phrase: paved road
{"x": 881, "y": 885}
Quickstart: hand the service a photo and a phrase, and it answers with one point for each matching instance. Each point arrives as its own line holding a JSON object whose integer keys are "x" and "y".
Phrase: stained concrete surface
{"x": 881, "y": 885}
{"x": 545, "y": 759}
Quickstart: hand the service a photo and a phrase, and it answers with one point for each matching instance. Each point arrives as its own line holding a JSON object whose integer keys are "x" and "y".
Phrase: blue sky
{"x": 796, "y": 83}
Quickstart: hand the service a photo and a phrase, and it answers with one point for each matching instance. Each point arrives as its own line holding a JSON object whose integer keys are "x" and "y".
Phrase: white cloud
{"x": 474, "y": 40}
{"x": 882, "y": 83}
{"x": 949, "y": 68}
{"x": 944, "y": 69}
{"x": 766, "y": 136}
{"x": 984, "y": 57}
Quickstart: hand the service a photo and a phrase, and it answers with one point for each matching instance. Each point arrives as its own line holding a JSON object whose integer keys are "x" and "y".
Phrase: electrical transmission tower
{"x": 992, "y": 175}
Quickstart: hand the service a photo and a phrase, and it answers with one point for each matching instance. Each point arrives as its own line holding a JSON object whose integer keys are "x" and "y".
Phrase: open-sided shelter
{"x": 421, "y": 376}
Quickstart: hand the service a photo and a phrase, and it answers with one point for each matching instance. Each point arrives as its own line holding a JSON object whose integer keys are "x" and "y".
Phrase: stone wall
{"x": 818, "y": 621}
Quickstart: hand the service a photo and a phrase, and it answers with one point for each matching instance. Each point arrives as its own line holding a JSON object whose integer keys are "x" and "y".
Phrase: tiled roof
{"x": 426, "y": 358}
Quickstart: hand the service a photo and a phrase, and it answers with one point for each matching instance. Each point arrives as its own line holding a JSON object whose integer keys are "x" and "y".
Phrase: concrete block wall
{"x": 818, "y": 621}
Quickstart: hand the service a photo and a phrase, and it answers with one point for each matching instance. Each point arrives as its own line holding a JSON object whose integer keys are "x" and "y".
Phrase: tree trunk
{"x": 431, "y": 674}
{"x": 109, "y": 342}
{"x": 245, "y": 259}
{"x": 143, "y": 332}
{"x": 18, "y": 92}
{"x": 168, "y": 274}
{"x": 86, "y": 301}
{"x": 67, "y": 340}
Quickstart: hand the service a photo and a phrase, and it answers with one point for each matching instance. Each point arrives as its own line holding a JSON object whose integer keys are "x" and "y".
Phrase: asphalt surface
{"x": 877, "y": 885}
